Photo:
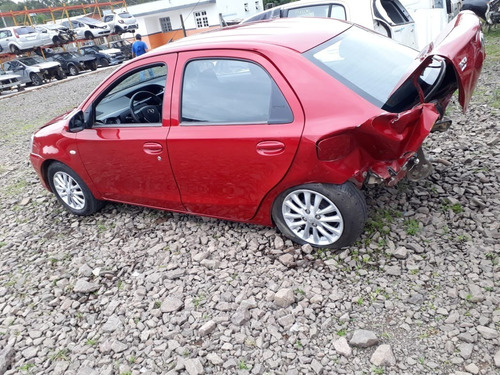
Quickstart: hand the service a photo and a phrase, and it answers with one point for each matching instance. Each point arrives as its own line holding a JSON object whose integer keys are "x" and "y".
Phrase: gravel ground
{"x": 137, "y": 291}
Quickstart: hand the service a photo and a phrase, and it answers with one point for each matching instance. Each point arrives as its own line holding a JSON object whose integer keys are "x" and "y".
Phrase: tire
{"x": 60, "y": 74}
{"x": 89, "y": 35}
{"x": 36, "y": 79}
{"x": 93, "y": 65}
{"x": 118, "y": 30}
{"x": 57, "y": 41}
{"x": 324, "y": 216}
{"x": 103, "y": 61}
{"x": 14, "y": 49}
{"x": 71, "y": 191}
{"x": 73, "y": 70}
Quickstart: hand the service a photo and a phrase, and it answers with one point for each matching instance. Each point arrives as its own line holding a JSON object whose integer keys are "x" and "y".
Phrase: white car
{"x": 56, "y": 35}
{"x": 20, "y": 38}
{"x": 87, "y": 28}
{"x": 120, "y": 23}
{"x": 387, "y": 17}
{"x": 431, "y": 17}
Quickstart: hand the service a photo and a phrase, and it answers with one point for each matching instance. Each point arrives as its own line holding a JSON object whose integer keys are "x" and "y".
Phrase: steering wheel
{"x": 439, "y": 78}
{"x": 145, "y": 107}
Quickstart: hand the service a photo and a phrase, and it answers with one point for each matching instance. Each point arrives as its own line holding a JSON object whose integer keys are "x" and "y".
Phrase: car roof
{"x": 299, "y": 34}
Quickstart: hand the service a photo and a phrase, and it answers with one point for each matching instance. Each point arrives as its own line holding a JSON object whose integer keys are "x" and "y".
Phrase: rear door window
{"x": 391, "y": 11}
{"x": 231, "y": 91}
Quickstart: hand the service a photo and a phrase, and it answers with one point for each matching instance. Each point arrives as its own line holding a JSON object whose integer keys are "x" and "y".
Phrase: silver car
{"x": 34, "y": 70}
{"x": 9, "y": 81}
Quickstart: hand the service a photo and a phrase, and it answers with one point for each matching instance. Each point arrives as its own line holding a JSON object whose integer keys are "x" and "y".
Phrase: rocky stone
{"x": 193, "y": 366}
{"x": 342, "y": 347}
{"x": 487, "y": 333}
{"x": 362, "y": 338}
{"x": 287, "y": 260}
{"x": 240, "y": 317}
{"x": 83, "y": 286}
{"x": 497, "y": 359}
{"x": 112, "y": 324}
{"x": 214, "y": 359}
{"x": 6, "y": 359}
{"x": 284, "y": 297}
{"x": 383, "y": 356}
{"x": 465, "y": 350}
{"x": 400, "y": 253}
{"x": 207, "y": 328}
{"x": 171, "y": 304}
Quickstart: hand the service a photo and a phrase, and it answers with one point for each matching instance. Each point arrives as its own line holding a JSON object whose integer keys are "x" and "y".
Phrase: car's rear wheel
{"x": 73, "y": 70}
{"x": 36, "y": 79}
{"x": 89, "y": 35}
{"x": 71, "y": 191}
{"x": 103, "y": 61}
{"x": 14, "y": 49}
{"x": 93, "y": 65}
{"x": 325, "y": 216}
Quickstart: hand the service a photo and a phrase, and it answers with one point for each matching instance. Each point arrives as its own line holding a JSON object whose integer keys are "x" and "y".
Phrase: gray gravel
{"x": 137, "y": 291}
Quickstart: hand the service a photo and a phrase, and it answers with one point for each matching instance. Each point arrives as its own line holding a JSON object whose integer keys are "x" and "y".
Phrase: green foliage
{"x": 242, "y": 365}
{"x": 412, "y": 226}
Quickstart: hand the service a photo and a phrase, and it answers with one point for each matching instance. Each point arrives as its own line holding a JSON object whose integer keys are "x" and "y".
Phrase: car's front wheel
{"x": 322, "y": 215}
{"x": 71, "y": 191}
{"x": 36, "y": 79}
{"x": 73, "y": 70}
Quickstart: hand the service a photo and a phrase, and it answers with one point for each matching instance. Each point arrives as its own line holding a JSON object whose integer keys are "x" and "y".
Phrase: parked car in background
{"x": 387, "y": 17}
{"x": 9, "y": 81}
{"x": 120, "y": 23}
{"x": 281, "y": 129}
{"x": 34, "y": 70}
{"x": 73, "y": 63}
{"x": 431, "y": 17}
{"x": 105, "y": 56}
{"x": 87, "y": 28}
{"x": 124, "y": 46}
{"x": 58, "y": 34}
{"x": 20, "y": 38}
{"x": 488, "y": 10}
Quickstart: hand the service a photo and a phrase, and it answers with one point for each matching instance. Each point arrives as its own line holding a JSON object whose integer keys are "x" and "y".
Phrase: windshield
{"x": 124, "y": 15}
{"x": 31, "y": 60}
{"x": 369, "y": 64}
{"x": 90, "y": 21}
{"x": 66, "y": 55}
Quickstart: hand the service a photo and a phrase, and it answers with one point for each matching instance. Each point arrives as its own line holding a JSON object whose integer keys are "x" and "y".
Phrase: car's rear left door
{"x": 236, "y": 125}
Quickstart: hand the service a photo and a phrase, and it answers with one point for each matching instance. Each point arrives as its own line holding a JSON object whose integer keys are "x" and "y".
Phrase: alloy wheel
{"x": 312, "y": 217}
{"x": 69, "y": 190}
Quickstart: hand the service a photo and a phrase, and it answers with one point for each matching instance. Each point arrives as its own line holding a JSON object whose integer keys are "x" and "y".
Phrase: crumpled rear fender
{"x": 381, "y": 147}
{"x": 388, "y": 141}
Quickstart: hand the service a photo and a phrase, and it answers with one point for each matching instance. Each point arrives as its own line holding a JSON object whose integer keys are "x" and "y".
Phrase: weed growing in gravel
{"x": 378, "y": 370}
{"x": 341, "y": 332}
{"x": 157, "y": 305}
{"x": 91, "y": 342}
{"x": 60, "y": 355}
{"x": 132, "y": 359}
{"x": 412, "y": 226}
{"x": 27, "y": 367}
{"x": 242, "y": 365}
{"x": 298, "y": 344}
{"x": 198, "y": 300}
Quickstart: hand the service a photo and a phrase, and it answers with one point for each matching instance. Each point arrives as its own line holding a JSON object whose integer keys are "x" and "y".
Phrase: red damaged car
{"x": 278, "y": 122}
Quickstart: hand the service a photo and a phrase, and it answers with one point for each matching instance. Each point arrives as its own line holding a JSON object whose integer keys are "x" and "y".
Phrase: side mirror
{"x": 77, "y": 122}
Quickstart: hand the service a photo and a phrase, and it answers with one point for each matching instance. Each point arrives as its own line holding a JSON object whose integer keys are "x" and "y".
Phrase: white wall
{"x": 230, "y": 9}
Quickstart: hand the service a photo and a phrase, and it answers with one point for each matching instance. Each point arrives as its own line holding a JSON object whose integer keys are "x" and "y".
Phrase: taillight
{"x": 16, "y": 34}
{"x": 334, "y": 148}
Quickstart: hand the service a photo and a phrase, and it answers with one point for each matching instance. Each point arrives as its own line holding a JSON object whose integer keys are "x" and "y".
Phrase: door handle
{"x": 153, "y": 148}
{"x": 270, "y": 148}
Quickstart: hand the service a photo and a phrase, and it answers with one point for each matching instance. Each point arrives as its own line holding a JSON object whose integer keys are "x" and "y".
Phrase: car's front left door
{"x": 126, "y": 157}
{"x": 235, "y": 131}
